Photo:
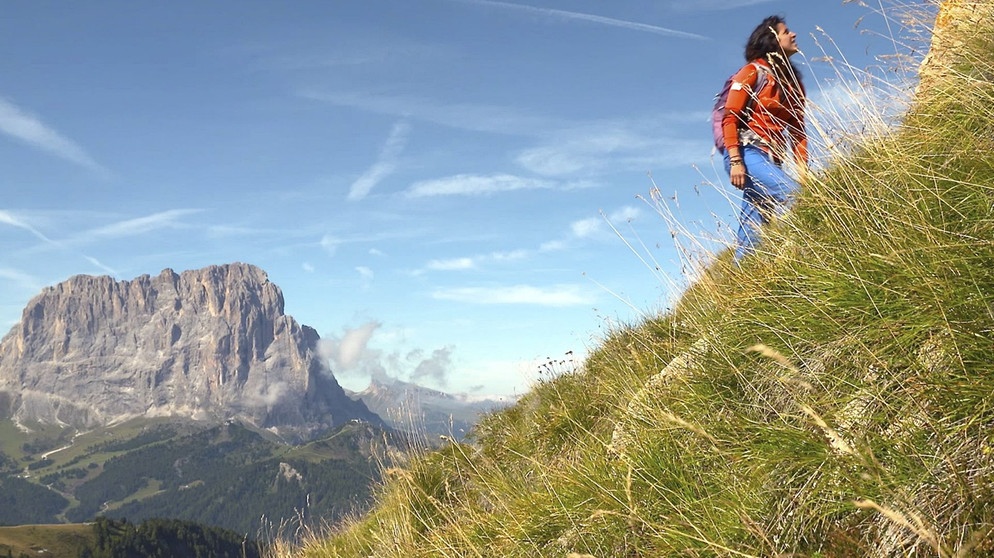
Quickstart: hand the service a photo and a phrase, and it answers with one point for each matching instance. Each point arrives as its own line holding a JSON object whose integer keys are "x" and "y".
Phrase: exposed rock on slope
{"x": 956, "y": 25}
{"x": 212, "y": 343}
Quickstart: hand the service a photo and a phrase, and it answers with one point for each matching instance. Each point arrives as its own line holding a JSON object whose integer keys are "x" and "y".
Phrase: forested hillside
{"x": 109, "y": 538}
{"x": 227, "y": 475}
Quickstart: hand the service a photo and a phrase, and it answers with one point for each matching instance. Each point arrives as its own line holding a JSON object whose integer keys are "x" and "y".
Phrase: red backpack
{"x": 718, "y": 110}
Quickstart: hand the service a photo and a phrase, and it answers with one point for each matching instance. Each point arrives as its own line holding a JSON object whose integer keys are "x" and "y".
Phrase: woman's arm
{"x": 738, "y": 98}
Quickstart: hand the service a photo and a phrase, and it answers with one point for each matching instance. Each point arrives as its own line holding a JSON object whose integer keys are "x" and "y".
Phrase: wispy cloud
{"x": 558, "y": 295}
{"x": 598, "y": 226}
{"x": 100, "y": 265}
{"x": 562, "y": 148}
{"x": 713, "y": 5}
{"x": 29, "y": 129}
{"x": 140, "y": 225}
{"x": 454, "y": 264}
{"x": 460, "y": 116}
{"x": 20, "y": 278}
{"x": 9, "y": 218}
{"x": 509, "y": 256}
{"x": 330, "y": 244}
{"x": 366, "y": 277}
{"x": 478, "y": 185}
{"x": 590, "y": 18}
{"x": 296, "y": 61}
{"x": 602, "y": 146}
{"x": 467, "y": 263}
{"x": 357, "y": 51}
{"x": 384, "y": 166}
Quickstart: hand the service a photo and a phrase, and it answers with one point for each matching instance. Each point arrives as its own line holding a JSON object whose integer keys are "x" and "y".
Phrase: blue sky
{"x": 432, "y": 183}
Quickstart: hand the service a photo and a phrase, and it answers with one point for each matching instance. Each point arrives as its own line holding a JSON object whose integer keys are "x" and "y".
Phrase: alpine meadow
{"x": 833, "y": 395}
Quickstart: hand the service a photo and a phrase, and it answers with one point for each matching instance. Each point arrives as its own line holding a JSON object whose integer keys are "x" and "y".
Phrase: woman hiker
{"x": 762, "y": 128}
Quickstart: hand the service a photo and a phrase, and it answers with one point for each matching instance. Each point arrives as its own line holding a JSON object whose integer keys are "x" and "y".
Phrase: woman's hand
{"x": 737, "y": 174}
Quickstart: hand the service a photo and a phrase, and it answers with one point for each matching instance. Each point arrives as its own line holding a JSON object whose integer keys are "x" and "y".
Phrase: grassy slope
{"x": 832, "y": 397}
{"x": 52, "y": 541}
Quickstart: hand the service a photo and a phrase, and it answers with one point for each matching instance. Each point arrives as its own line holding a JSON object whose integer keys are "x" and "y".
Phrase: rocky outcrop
{"x": 212, "y": 343}
{"x": 957, "y": 24}
{"x": 639, "y": 409}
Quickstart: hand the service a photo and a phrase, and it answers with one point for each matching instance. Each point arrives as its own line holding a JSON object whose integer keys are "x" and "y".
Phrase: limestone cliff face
{"x": 957, "y": 23}
{"x": 212, "y": 343}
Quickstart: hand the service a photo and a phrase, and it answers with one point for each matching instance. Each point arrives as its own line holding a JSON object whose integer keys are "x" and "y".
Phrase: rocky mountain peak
{"x": 207, "y": 343}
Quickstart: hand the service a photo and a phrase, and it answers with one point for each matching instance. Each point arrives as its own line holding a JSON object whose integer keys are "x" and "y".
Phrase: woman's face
{"x": 787, "y": 40}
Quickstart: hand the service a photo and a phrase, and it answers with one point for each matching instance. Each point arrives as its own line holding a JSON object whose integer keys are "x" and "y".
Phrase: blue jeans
{"x": 768, "y": 193}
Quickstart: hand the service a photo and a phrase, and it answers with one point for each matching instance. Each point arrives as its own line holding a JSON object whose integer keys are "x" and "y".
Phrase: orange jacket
{"x": 777, "y": 114}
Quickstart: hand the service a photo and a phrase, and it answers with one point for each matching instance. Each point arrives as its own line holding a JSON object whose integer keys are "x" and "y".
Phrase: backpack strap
{"x": 746, "y": 135}
{"x": 762, "y": 74}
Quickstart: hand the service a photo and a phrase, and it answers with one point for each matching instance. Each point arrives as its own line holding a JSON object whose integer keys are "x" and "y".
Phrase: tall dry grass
{"x": 830, "y": 396}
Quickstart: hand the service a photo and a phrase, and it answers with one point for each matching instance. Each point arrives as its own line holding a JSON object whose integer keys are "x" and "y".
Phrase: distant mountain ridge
{"x": 208, "y": 344}
{"x": 411, "y": 407}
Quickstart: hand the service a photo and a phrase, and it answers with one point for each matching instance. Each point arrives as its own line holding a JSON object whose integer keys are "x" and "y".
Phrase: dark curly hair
{"x": 764, "y": 43}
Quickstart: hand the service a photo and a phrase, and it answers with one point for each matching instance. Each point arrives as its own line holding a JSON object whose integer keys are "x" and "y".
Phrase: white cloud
{"x": 307, "y": 266}
{"x": 476, "y": 185}
{"x": 455, "y": 264}
{"x": 365, "y": 272}
{"x": 586, "y": 228}
{"x": 437, "y": 367}
{"x": 497, "y": 257}
{"x": 384, "y": 166}
{"x": 578, "y": 16}
{"x": 366, "y": 277}
{"x": 352, "y": 357}
{"x": 330, "y": 244}
{"x": 560, "y": 295}
{"x": 474, "y": 262}
{"x": 509, "y": 256}
{"x": 269, "y": 394}
{"x": 597, "y": 226}
{"x": 347, "y": 351}
{"x": 29, "y": 129}
{"x": 626, "y": 213}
